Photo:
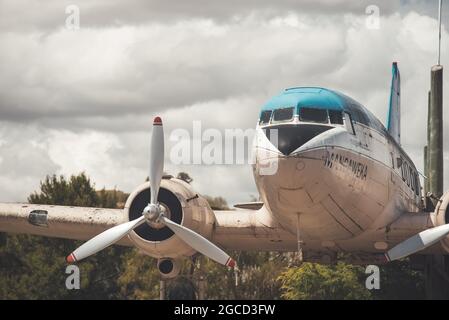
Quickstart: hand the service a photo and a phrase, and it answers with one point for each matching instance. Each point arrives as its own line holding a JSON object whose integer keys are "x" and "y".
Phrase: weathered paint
{"x": 79, "y": 223}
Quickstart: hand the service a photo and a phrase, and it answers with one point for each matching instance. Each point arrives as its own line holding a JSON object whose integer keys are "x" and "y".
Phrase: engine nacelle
{"x": 441, "y": 216}
{"x": 182, "y": 205}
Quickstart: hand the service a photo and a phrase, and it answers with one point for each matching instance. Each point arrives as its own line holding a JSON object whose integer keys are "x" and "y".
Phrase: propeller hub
{"x": 153, "y": 212}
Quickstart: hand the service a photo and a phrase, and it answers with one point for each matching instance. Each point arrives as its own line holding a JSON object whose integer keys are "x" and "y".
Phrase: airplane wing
{"x": 77, "y": 223}
{"x": 249, "y": 229}
{"x": 249, "y": 205}
{"x": 242, "y": 229}
{"x": 234, "y": 229}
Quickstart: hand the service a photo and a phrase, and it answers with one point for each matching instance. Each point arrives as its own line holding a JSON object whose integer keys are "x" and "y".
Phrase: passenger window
{"x": 265, "y": 117}
{"x": 348, "y": 123}
{"x": 283, "y": 114}
{"x": 313, "y": 115}
{"x": 335, "y": 117}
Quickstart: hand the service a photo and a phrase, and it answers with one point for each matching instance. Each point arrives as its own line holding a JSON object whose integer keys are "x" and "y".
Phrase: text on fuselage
{"x": 341, "y": 162}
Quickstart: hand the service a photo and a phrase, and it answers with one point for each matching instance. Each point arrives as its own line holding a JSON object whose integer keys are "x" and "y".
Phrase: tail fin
{"x": 394, "y": 112}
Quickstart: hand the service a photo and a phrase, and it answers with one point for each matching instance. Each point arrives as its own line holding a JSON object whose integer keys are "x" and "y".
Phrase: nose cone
{"x": 288, "y": 138}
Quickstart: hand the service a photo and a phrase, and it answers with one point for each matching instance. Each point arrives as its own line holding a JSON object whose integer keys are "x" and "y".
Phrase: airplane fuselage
{"x": 344, "y": 179}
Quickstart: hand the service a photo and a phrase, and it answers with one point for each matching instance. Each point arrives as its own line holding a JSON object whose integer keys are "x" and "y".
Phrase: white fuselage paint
{"x": 346, "y": 188}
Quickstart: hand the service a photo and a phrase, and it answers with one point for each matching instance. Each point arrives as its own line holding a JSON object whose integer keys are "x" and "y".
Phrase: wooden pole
{"x": 435, "y": 146}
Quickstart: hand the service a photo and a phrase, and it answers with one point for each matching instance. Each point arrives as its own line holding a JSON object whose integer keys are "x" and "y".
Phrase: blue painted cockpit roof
{"x": 306, "y": 97}
{"x": 322, "y": 98}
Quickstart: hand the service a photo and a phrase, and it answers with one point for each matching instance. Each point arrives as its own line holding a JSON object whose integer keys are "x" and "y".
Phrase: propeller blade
{"x": 156, "y": 158}
{"x": 418, "y": 242}
{"x": 199, "y": 243}
{"x": 104, "y": 239}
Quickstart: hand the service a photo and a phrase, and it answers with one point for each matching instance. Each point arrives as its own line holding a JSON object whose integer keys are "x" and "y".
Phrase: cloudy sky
{"x": 83, "y": 100}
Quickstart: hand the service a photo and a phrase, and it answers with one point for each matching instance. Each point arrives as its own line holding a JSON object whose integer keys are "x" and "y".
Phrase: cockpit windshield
{"x": 283, "y": 114}
{"x": 335, "y": 116}
{"x": 265, "y": 117}
{"x": 306, "y": 114}
{"x": 313, "y": 115}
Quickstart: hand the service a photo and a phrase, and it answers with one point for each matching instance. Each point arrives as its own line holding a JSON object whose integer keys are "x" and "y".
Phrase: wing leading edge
{"x": 77, "y": 223}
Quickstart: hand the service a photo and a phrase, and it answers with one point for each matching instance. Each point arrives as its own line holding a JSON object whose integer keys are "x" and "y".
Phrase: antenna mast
{"x": 439, "y": 30}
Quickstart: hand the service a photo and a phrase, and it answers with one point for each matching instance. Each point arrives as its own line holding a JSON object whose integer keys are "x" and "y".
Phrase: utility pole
{"x": 436, "y": 274}
{"x": 426, "y": 160}
{"x": 435, "y": 127}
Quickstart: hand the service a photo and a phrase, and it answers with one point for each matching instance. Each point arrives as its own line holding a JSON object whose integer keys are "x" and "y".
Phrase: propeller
{"x": 418, "y": 242}
{"x": 153, "y": 212}
{"x": 104, "y": 239}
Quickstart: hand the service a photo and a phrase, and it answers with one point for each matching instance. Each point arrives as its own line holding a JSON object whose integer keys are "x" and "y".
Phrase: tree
{"x": 217, "y": 203}
{"x": 255, "y": 278}
{"x": 313, "y": 281}
{"x": 398, "y": 280}
{"x": 112, "y": 198}
{"x": 139, "y": 278}
{"x": 33, "y": 267}
{"x": 181, "y": 288}
{"x": 78, "y": 191}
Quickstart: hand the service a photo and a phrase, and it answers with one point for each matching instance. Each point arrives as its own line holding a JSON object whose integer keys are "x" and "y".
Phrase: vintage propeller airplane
{"x": 331, "y": 179}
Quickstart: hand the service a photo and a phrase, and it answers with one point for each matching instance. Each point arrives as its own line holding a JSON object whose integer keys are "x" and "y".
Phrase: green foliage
{"x": 140, "y": 278}
{"x": 78, "y": 191}
{"x": 344, "y": 281}
{"x": 256, "y": 277}
{"x": 399, "y": 281}
{"x": 33, "y": 267}
{"x": 313, "y": 281}
{"x": 181, "y": 288}
{"x": 111, "y": 198}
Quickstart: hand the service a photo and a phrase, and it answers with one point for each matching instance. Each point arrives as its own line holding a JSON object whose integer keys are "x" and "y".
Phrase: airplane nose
{"x": 292, "y": 136}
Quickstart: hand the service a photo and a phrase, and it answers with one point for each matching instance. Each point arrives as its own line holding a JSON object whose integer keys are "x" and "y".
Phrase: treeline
{"x": 33, "y": 267}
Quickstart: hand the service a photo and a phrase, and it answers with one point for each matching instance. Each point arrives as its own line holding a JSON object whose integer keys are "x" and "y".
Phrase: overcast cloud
{"x": 83, "y": 100}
